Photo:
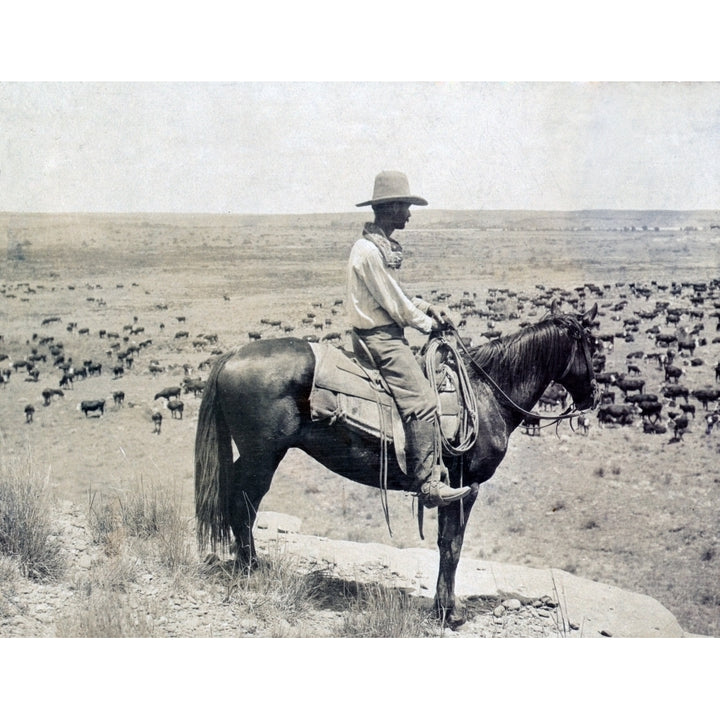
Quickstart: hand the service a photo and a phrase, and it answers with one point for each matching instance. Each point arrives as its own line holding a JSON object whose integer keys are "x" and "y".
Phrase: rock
{"x": 594, "y": 607}
{"x": 499, "y": 611}
{"x": 512, "y": 604}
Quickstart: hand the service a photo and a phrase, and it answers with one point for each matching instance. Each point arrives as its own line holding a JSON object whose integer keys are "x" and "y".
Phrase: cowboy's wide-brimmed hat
{"x": 392, "y": 186}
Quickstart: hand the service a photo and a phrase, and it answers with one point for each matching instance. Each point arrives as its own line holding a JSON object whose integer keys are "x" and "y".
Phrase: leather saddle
{"x": 350, "y": 390}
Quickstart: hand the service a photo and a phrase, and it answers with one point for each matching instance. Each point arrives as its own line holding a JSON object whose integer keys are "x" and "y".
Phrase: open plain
{"x": 615, "y": 504}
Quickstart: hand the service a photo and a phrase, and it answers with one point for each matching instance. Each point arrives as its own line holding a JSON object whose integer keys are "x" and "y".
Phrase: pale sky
{"x": 82, "y": 144}
{"x": 297, "y": 147}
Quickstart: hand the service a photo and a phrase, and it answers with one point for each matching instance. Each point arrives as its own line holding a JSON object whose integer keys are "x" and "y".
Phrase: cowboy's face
{"x": 401, "y": 215}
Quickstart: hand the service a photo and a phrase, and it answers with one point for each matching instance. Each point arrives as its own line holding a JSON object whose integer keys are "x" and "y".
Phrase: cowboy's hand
{"x": 437, "y": 315}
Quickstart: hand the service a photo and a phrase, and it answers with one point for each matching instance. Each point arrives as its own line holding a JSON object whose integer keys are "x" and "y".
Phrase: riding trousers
{"x": 401, "y": 371}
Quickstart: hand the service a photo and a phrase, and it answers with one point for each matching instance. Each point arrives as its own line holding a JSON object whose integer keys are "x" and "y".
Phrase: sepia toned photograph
{"x": 360, "y": 360}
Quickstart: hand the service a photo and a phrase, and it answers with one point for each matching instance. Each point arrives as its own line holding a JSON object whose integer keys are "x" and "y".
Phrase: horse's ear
{"x": 589, "y": 316}
{"x": 555, "y": 306}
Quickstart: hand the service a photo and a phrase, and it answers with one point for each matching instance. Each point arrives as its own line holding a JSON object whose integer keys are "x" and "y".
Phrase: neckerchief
{"x": 391, "y": 250}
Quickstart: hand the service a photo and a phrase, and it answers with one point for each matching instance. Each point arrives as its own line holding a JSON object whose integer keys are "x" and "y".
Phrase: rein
{"x": 565, "y": 415}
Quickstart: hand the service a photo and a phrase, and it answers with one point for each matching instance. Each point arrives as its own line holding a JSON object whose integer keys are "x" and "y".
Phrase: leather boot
{"x": 428, "y": 477}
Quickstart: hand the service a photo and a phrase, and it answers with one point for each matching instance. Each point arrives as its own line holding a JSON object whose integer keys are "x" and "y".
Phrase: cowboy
{"x": 379, "y": 311}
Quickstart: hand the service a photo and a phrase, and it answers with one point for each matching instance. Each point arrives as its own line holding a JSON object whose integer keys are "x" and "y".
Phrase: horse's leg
{"x": 252, "y": 475}
{"x": 452, "y": 521}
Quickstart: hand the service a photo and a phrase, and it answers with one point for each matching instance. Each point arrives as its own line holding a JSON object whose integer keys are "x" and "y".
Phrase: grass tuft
{"x": 27, "y": 533}
{"x": 380, "y": 612}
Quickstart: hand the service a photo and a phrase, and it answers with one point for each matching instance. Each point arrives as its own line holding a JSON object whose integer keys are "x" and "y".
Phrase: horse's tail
{"x": 213, "y": 466}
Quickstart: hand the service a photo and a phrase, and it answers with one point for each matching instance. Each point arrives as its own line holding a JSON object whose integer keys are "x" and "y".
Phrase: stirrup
{"x": 435, "y": 493}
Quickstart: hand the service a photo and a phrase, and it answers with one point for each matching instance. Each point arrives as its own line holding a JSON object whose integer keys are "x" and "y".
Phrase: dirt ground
{"x": 615, "y": 505}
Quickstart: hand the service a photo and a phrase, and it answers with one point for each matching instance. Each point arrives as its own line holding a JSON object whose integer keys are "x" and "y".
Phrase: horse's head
{"x": 579, "y": 376}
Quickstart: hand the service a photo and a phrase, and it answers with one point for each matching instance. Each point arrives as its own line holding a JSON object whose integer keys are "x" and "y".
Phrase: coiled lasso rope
{"x": 467, "y": 432}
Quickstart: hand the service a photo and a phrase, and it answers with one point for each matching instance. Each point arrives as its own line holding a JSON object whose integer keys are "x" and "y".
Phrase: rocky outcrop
{"x": 580, "y": 608}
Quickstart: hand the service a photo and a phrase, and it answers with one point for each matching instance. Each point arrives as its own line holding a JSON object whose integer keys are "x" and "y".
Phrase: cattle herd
{"x": 656, "y": 357}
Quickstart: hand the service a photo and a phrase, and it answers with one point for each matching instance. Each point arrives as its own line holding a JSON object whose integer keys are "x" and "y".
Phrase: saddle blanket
{"x": 346, "y": 391}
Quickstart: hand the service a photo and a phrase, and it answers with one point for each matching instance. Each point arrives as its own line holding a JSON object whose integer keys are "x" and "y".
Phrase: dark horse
{"x": 257, "y": 396}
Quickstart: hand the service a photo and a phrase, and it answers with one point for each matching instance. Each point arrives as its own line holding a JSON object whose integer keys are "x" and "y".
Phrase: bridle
{"x": 581, "y": 338}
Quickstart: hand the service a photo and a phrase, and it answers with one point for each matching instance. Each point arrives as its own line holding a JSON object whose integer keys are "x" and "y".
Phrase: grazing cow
{"x": 118, "y": 371}
{"x": 688, "y": 345}
{"x": 194, "y": 385}
{"x": 705, "y": 396}
{"x": 606, "y": 378}
{"x": 157, "y": 419}
{"x": 673, "y": 373}
{"x": 169, "y": 393}
{"x": 48, "y": 393}
{"x": 641, "y": 397}
{"x": 673, "y": 392}
{"x": 607, "y": 397}
{"x": 630, "y": 384}
{"x": 29, "y": 412}
{"x": 688, "y": 409}
{"x": 679, "y": 426}
{"x": 650, "y": 410}
{"x": 92, "y": 406}
{"x": 176, "y": 408}
{"x": 616, "y": 414}
{"x": 181, "y": 334}
{"x": 254, "y": 335}
{"x": 118, "y": 397}
{"x": 66, "y": 380}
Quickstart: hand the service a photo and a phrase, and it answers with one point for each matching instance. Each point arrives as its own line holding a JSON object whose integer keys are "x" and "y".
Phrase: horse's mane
{"x": 529, "y": 352}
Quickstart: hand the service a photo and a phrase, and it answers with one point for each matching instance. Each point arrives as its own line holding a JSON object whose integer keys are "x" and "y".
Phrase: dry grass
{"x": 148, "y": 512}
{"x": 380, "y": 612}
{"x": 27, "y": 532}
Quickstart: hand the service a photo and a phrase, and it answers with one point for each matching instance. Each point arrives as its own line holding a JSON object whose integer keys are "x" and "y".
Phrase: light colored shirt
{"x": 375, "y": 297}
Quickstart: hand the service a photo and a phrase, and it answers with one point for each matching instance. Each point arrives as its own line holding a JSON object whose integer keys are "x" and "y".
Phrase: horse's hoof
{"x": 452, "y": 617}
{"x": 455, "y": 619}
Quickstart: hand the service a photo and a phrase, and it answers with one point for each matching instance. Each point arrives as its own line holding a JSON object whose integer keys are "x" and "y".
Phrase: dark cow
{"x": 676, "y": 391}
{"x": 679, "y": 426}
{"x": 118, "y": 397}
{"x": 194, "y": 385}
{"x": 616, "y": 414}
{"x": 176, "y": 408}
{"x": 688, "y": 408}
{"x": 650, "y": 410}
{"x": 630, "y": 384}
{"x": 48, "y": 393}
{"x": 673, "y": 373}
{"x": 157, "y": 419}
{"x": 29, "y": 412}
{"x": 705, "y": 396}
{"x": 168, "y": 393}
{"x": 92, "y": 406}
